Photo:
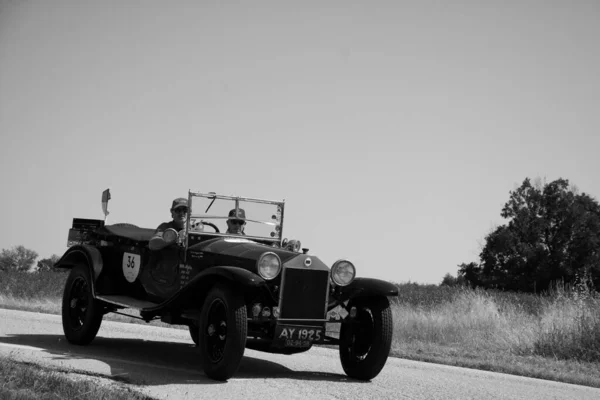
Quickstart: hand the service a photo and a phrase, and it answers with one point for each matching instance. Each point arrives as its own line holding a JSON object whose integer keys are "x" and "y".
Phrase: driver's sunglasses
{"x": 237, "y": 221}
{"x": 181, "y": 210}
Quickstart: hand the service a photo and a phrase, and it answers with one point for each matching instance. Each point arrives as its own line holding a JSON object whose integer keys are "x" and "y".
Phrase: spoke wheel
{"x": 78, "y": 303}
{"x": 216, "y": 331}
{"x": 222, "y": 333}
{"x": 366, "y": 341}
{"x": 81, "y": 313}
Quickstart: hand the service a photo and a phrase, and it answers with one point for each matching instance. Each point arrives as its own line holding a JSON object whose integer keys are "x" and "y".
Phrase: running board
{"x": 126, "y": 301}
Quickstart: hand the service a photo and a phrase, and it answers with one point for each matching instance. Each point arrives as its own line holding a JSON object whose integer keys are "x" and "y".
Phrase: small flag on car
{"x": 105, "y": 199}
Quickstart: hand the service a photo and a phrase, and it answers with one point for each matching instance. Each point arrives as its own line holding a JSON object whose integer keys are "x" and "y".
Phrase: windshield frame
{"x": 214, "y": 197}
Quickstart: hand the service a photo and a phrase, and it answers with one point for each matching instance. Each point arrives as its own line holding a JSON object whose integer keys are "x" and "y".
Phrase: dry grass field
{"x": 554, "y": 335}
{"x": 551, "y": 336}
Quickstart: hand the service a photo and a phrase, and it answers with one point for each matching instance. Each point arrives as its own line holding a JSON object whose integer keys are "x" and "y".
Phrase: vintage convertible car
{"x": 257, "y": 290}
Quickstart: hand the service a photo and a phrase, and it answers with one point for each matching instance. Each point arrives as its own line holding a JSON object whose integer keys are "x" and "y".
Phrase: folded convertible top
{"x": 127, "y": 231}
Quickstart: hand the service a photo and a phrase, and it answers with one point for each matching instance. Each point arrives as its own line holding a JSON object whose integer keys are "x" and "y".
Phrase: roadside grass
{"x": 37, "y": 285}
{"x": 554, "y": 336}
{"x": 42, "y": 292}
{"x": 53, "y": 306}
{"x": 25, "y": 381}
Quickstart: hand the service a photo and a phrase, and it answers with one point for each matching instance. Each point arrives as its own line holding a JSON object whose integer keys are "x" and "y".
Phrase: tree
{"x": 450, "y": 280}
{"x": 18, "y": 258}
{"x": 47, "y": 264}
{"x": 470, "y": 273}
{"x": 552, "y": 234}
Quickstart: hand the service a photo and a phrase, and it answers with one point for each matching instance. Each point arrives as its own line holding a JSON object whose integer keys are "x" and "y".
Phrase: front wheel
{"x": 365, "y": 341}
{"x": 81, "y": 313}
{"x": 222, "y": 333}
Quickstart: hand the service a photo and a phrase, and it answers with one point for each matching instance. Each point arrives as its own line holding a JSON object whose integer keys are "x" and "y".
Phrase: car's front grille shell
{"x": 304, "y": 294}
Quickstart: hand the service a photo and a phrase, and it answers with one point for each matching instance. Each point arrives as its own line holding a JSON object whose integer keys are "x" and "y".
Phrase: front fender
{"x": 235, "y": 274}
{"x": 363, "y": 287}
{"x": 199, "y": 285}
{"x": 83, "y": 254}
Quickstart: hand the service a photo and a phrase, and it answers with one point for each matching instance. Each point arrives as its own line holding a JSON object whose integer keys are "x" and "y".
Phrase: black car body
{"x": 234, "y": 292}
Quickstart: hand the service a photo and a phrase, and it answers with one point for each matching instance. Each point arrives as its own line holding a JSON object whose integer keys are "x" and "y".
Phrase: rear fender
{"x": 364, "y": 287}
{"x": 82, "y": 254}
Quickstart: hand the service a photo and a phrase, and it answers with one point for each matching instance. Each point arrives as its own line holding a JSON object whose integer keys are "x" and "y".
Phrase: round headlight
{"x": 269, "y": 265}
{"x": 343, "y": 272}
{"x": 170, "y": 235}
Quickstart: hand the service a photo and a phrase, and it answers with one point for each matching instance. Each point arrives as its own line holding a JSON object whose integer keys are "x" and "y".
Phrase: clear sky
{"x": 394, "y": 130}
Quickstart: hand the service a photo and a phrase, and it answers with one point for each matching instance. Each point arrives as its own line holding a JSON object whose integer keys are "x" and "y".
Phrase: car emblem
{"x": 307, "y": 261}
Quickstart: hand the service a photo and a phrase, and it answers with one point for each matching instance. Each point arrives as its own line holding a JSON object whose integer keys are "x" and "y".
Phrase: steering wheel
{"x": 211, "y": 225}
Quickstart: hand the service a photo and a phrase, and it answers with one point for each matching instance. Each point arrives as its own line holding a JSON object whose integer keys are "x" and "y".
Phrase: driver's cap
{"x": 241, "y": 214}
{"x": 179, "y": 202}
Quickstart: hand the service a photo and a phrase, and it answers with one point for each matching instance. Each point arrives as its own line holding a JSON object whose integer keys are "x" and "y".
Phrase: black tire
{"x": 194, "y": 332}
{"x": 365, "y": 344}
{"x": 222, "y": 333}
{"x": 81, "y": 313}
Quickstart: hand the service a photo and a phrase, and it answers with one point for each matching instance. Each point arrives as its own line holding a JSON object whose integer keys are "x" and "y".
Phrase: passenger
{"x": 235, "y": 226}
{"x": 179, "y": 211}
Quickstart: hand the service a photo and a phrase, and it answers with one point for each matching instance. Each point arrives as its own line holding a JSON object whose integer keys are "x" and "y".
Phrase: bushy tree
{"x": 451, "y": 280}
{"x": 470, "y": 273}
{"x": 47, "y": 264}
{"x": 552, "y": 234}
{"x": 18, "y": 258}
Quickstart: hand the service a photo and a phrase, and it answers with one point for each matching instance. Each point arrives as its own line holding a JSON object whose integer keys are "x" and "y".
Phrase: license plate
{"x": 297, "y": 343}
{"x": 299, "y": 336}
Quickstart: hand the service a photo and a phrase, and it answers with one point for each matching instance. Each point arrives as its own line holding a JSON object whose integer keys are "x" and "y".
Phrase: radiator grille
{"x": 303, "y": 293}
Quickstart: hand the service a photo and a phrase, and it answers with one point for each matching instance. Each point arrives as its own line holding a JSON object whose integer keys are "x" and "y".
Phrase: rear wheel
{"x": 222, "y": 333}
{"x": 365, "y": 342}
{"x": 81, "y": 313}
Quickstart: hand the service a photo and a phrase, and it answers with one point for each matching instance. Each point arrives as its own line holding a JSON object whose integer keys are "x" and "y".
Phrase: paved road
{"x": 163, "y": 362}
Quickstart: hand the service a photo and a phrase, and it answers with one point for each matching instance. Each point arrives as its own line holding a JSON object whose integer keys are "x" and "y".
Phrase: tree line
{"x": 551, "y": 235}
{"x": 20, "y": 258}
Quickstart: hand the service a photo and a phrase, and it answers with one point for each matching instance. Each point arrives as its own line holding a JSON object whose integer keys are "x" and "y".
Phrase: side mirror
{"x": 293, "y": 245}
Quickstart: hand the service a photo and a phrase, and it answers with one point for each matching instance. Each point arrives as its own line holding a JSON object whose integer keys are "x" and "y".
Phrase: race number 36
{"x": 131, "y": 266}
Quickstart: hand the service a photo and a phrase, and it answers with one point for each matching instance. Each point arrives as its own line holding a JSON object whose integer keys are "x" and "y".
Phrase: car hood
{"x": 240, "y": 247}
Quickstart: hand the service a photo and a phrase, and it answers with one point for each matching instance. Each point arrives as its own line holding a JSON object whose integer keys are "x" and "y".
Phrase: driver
{"x": 236, "y": 222}
{"x": 179, "y": 211}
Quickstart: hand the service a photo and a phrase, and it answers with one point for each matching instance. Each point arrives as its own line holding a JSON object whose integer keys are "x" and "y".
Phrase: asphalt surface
{"x": 163, "y": 363}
